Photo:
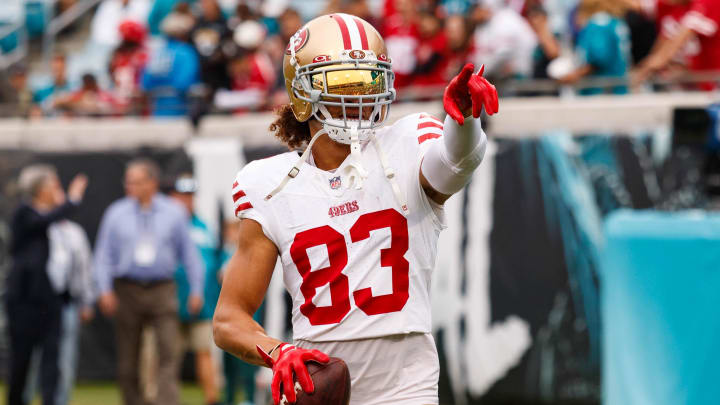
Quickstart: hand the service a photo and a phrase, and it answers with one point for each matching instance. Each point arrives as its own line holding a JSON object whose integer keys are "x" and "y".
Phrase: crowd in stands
{"x": 193, "y": 57}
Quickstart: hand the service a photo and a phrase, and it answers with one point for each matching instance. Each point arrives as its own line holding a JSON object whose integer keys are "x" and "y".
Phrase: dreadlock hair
{"x": 290, "y": 131}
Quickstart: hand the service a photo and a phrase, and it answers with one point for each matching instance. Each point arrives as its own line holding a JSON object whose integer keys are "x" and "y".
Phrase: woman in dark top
{"x": 33, "y": 305}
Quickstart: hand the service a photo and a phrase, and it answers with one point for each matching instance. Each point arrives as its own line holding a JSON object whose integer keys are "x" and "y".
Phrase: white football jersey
{"x": 354, "y": 265}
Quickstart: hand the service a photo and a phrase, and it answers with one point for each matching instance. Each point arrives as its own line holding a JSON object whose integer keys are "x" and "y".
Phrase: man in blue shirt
{"x": 173, "y": 68}
{"x": 141, "y": 241}
{"x": 196, "y": 330}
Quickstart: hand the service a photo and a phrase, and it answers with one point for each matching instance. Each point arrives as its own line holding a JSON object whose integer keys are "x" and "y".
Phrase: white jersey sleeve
{"x": 249, "y": 199}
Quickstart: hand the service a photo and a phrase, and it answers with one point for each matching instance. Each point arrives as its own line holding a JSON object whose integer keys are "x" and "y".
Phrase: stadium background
{"x": 578, "y": 266}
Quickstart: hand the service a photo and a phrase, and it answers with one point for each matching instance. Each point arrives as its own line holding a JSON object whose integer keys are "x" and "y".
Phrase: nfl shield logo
{"x": 335, "y": 183}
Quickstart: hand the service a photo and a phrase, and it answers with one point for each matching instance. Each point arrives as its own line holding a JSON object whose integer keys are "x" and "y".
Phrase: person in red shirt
{"x": 668, "y": 19}
{"x": 88, "y": 101}
{"x": 251, "y": 72}
{"x": 460, "y": 46}
{"x": 401, "y": 38}
{"x": 430, "y": 52}
{"x": 126, "y": 65}
{"x": 702, "y": 23}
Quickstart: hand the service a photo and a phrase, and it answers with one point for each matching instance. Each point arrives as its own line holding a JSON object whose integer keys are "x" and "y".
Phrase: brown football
{"x": 332, "y": 384}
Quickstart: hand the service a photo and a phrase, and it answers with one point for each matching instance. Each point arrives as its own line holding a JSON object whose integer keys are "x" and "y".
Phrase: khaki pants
{"x": 153, "y": 306}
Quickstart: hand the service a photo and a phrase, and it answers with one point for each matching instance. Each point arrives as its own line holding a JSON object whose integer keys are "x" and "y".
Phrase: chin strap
{"x": 296, "y": 167}
{"x": 354, "y": 170}
{"x": 390, "y": 176}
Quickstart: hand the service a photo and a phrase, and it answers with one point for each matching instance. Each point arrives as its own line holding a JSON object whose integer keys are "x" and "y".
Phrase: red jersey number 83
{"x": 392, "y": 257}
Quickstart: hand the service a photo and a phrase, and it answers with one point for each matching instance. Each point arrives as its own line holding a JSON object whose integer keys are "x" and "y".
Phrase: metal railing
{"x": 62, "y": 21}
{"x": 529, "y": 87}
{"x": 198, "y": 103}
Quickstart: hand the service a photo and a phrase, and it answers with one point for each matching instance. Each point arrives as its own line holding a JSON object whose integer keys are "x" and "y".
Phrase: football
{"x": 332, "y": 384}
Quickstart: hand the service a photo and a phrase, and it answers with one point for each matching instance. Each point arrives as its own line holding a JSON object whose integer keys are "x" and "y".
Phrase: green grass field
{"x": 108, "y": 394}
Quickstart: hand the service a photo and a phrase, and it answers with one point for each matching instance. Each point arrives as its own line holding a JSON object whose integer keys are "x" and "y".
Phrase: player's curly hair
{"x": 291, "y": 131}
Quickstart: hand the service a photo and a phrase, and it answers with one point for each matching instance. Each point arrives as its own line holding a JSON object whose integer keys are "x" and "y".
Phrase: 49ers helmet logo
{"x": 321, "y": 58}
{"x": 357, "y": 54}
{"x": 299, "y": 39}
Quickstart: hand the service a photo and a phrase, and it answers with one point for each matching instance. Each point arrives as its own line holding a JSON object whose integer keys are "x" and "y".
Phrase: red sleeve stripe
{"x": 238, "y": 195}
{"x": 363, "y": 34}
{"x": 427, "y": 137}
{"x": 423, "y": 115}
{"x": 429, "y": 124}
{"x": 243, "y": 207}
{"x": 235, "y": 184}
{"x": 343, "y": 31}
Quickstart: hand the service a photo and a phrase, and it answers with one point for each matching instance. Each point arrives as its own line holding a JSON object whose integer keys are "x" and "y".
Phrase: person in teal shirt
{"x": 196, "y": 330}
{"x": 603, "y": 44}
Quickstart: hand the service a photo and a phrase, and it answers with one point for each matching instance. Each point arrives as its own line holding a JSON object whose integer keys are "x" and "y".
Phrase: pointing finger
{"x": 466, "y": 72}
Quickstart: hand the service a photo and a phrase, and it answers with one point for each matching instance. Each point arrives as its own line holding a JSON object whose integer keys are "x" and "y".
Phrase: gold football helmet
{"x": 338, "y": 63}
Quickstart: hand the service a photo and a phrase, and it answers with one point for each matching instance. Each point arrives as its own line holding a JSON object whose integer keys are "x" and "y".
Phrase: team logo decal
{"x": 299, "y": 39}
{"x": 357, "y": 54}
{"x": 383, "y": 57}
{"x": 335, "y": 182}
{"x": 321, "y": 58}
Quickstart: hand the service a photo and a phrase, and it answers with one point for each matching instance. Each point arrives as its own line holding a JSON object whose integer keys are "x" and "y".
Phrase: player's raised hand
{"x": 468, "y": 90}
{"x": 291, "y": 360}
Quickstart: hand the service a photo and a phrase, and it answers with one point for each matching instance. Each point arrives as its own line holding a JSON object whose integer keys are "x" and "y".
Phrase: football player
{"x": 355, "y": 219}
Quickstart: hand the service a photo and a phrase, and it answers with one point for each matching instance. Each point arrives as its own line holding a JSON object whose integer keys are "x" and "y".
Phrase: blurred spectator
{"x": 69, "y": 266}
{"x": 196, "y": 329}
{"x": 160, "y": 10}
{"x": 401, "y": 39}
{"x": 37, "y": 286}
{"x": 456, "y": 7}
{"x": 548, "y": 45}
{"x": 243, "y": 12}
{"x": 274, "y": 48}
{"x": 642, "y": 30}
{"x": 360, "y": 8}
{"x": 504, "y": 41}
{"x": 668, "y": 18}
{"x": 251, "y": 72}
{"x": 44, "y": 96}
{"x": 126, "y": 65}
{"x": 460, "y": 48}
{"x": 209, "y": 36}
{"x": 16, "y": 97}
{"x": 173, "y": 67}
{"x": 290, "y": 22}
{"x": 430, "y": 52}
{"x": 332, "y": 7}
{"x": 88, "y": 101}
{"x": 142, "y": 239}
{"x": 111, "y": 13}
{"x": 603, "y": 44}
{"x": 700, "y": 22}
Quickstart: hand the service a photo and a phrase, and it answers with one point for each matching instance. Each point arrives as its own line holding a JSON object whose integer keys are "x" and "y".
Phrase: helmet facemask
{"x": 348, "y": 96}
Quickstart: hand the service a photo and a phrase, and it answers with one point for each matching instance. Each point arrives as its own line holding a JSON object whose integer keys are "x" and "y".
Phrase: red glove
{"x": 468, "y": 89}
{"x": 291, "y": 359}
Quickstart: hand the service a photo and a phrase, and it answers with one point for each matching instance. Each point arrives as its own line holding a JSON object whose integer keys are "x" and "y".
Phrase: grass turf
{"x": 109, "y": 394}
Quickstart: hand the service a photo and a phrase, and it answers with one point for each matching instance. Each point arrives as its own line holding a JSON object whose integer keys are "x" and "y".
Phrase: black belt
{"x": 144, "y": 283}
